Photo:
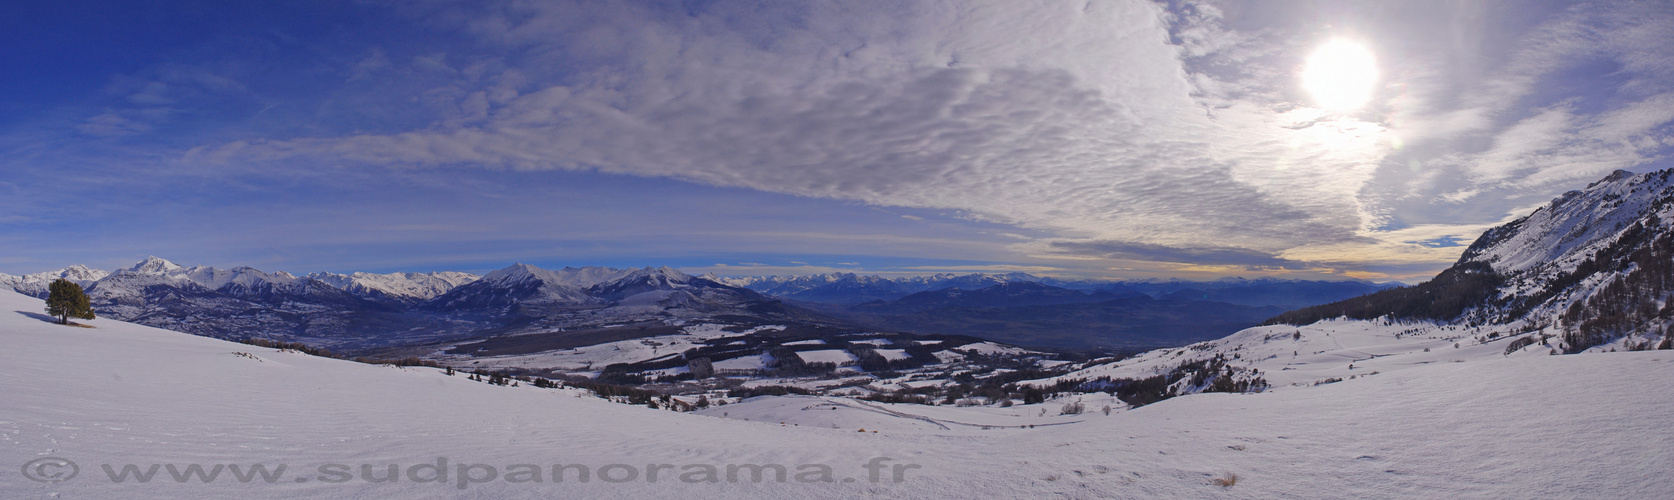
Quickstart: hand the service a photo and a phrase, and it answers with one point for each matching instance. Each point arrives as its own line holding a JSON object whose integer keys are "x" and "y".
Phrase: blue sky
{"x": 1111, "y": 139}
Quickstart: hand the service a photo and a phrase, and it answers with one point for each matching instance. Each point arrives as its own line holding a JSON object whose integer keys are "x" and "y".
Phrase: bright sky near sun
{"x": 1116, "y": 139}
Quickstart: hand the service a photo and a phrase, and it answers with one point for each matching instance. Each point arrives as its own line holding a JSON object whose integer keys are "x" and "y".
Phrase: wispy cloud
{"x": 1206, "y": 255}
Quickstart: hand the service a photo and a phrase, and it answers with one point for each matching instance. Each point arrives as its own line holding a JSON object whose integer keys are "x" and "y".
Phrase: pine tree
{"x": 67, "y": 300}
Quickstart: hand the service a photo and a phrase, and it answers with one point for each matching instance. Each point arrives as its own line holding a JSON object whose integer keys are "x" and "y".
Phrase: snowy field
{"x": 591, "y": 359}
{"x": 1594, "y": 425}
{"x": 1298, "y": 356}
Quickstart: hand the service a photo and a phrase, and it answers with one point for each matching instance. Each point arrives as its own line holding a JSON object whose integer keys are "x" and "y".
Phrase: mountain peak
{"x": 667, "y": 272}
{"x": 514, "y": 273}
{"x": 80, "y": 272}
{"x": 155, "y": 265}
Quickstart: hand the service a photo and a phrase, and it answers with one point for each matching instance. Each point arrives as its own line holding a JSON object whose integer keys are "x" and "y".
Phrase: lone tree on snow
{"x": 67, "y": 300}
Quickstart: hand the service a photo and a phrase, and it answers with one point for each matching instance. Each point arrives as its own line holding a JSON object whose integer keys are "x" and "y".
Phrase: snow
{"x": 990, "y": 348}
{"x": 1577, "y": 219}
{"x": 155, "y": 265}
{"x": 591, "y": 359}
{"x": 752, "y": 362}
{"x": 893, "y": 354}
{"x": 422, "y": 286}
{"x": 1524, "y": 426}
{"x": 837, "y": 356}
{"x": 846, "y": 413}
{"x": 1325, "y": 350}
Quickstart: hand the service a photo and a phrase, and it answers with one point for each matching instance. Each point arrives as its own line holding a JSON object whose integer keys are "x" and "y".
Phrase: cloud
{"x": 1202, "y": 255}
{"x": 1584, "y": 93}
{"x": 113, "y": 124}
{"x": 1075, "y": 119}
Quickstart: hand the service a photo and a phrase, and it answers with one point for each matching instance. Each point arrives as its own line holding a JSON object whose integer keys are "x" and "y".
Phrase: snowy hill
{"x": 121, "y": 394}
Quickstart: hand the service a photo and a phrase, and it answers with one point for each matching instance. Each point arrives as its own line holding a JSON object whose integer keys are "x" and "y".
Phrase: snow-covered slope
{"x": 1595, "y": 266}
{"x": 119, "y": 394}
{"x": 1573, "y": 222}
{"x": 1288, "y": 357}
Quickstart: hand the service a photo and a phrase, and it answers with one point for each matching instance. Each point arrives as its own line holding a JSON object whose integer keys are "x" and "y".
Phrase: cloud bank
{"x": 1074, "y": 118}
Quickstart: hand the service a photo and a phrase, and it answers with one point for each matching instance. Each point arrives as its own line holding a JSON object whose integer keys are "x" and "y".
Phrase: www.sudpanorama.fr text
{"x": 463, "y": 475}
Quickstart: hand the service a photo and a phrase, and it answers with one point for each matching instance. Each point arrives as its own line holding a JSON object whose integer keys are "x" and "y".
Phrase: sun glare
{"x": 1341, "y": 75}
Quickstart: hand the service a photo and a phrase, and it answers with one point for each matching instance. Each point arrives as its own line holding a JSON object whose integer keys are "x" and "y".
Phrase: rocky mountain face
{"x": 1592, "y": 269}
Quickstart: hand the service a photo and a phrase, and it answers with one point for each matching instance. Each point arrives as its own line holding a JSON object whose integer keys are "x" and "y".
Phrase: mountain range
{"x": 851, "y": 288}
{"x": 365, "y": 311}
{"x": 1038, "y": 315}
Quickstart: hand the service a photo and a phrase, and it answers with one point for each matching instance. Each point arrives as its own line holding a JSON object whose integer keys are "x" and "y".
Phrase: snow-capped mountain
{"x": 523, "y": 285}
{"x": 36, "y": 284}
{"x": 401, "y": 287}
{"x": 364, "y": 311}
{"x": 851, "y": 288}
{"x": 236, "y": 303}
{"x": 245, "y": 302}
{"x": 646, "y": 280}
{"x": 517, "y": 285}
{"x": 528, "y": 298}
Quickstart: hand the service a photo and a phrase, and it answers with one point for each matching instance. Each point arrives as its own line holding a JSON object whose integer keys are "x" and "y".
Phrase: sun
{"x": 1341, "y": 75}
